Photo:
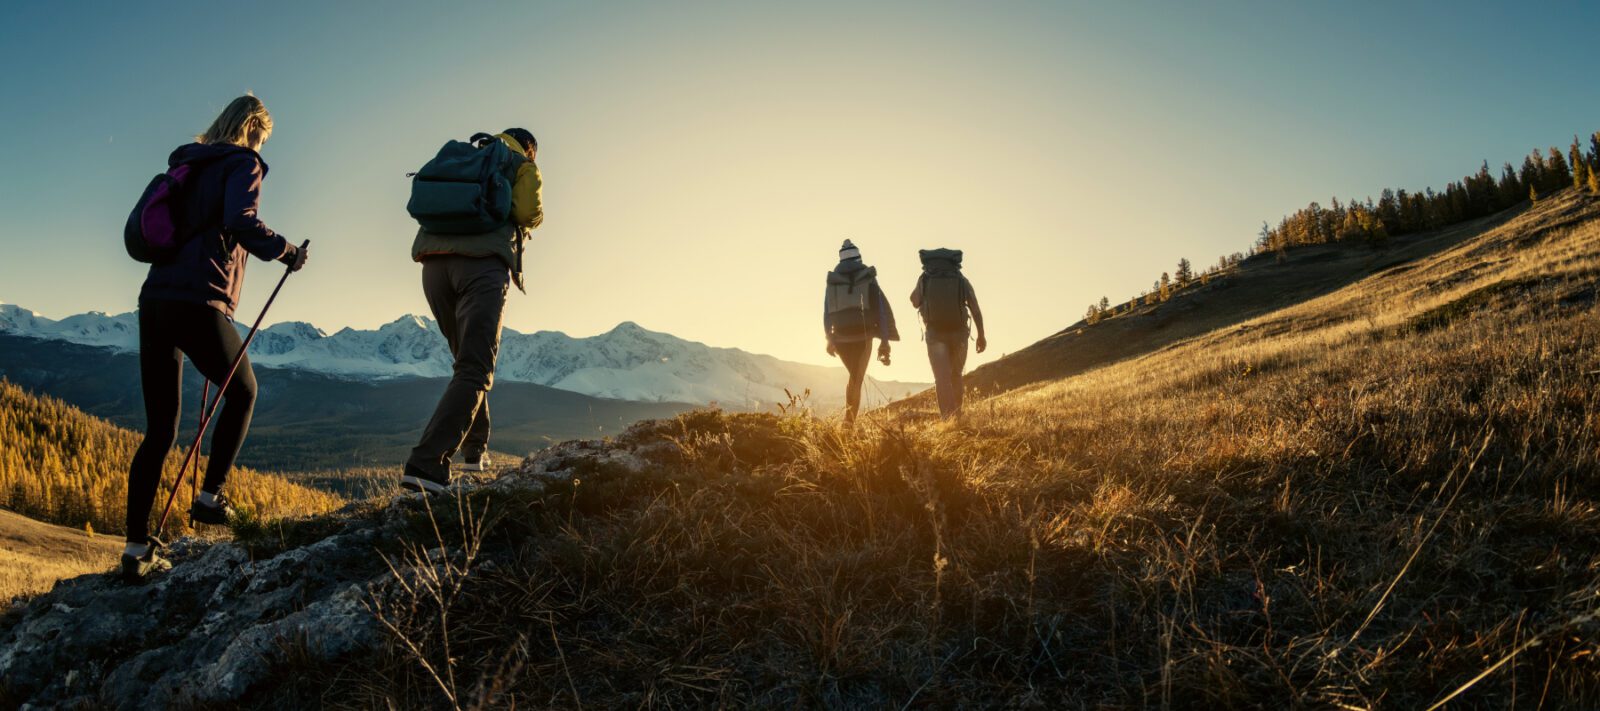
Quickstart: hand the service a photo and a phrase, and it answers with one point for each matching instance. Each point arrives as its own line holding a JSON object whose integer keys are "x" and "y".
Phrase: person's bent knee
{"x": 161, "y": 436}
{"x": 243, "y": 389}
{"x": 477, "y": 377}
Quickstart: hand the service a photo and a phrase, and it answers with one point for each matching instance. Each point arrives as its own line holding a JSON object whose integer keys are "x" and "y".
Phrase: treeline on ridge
{"x": 1395, "y": 213}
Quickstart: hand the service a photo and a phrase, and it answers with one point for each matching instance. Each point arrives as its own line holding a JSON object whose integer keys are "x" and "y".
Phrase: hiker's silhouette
{"x": 854, "y": 313}
{"x": 949, "y": 309}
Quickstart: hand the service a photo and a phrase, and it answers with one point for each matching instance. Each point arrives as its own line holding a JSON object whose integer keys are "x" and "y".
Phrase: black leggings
{"x": 169, "y": 330}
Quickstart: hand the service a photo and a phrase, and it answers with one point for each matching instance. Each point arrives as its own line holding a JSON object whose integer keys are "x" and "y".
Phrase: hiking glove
{"x": 883, "y": 352}
{"x": 296, "y": 258}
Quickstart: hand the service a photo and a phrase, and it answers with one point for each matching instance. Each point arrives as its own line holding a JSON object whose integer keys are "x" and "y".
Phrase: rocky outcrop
{"x": 225, "y": 619}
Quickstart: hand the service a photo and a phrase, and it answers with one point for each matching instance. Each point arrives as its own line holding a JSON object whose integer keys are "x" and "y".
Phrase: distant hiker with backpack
{"x": 855, "y": 312}
{"x": 475, "y": 203}
{"x": 197, "y": 226}
{"x": 945, "y": 298}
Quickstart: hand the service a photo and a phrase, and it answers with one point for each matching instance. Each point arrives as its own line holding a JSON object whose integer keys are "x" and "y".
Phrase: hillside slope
{"x": 1381, "y": 497}
{"x": 1258, "y": 285}
{"x": 34, "y": 555}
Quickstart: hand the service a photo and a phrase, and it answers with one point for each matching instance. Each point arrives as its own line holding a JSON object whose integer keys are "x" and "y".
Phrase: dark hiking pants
{"x": 856, "y": 356}
{"x": 947, "y": 353}
{"x": 468, "y": 297}
{"x": 168, "y": 331}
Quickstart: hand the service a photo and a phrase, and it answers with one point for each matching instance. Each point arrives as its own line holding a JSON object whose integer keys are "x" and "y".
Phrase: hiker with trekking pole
{"x": 945, "y": 299}
{"x": 196, "y": 225}
{"x": 474, "y": 204}
{"x": 854, "y": 313}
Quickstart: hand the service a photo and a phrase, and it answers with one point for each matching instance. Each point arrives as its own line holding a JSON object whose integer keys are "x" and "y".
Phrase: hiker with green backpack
{"x": 945, "y": 299}
{"x": 475, "y": 203}
{"x": 855, "y": 312}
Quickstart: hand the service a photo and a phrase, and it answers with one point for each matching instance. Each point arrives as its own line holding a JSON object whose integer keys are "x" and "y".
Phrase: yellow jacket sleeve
{"x": 527, "y": 197}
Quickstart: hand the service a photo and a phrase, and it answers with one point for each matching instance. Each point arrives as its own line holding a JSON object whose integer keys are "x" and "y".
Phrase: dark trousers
{"x": 947, "y": 353}
{"x": 468, "y": 298}
{"x": 169, "y": 330}
{"x": 856, "y": 356}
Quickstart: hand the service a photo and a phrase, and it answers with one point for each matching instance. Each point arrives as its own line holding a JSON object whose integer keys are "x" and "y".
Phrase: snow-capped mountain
{"x": 628, "y": 362}
{"x": 120, "y": 332}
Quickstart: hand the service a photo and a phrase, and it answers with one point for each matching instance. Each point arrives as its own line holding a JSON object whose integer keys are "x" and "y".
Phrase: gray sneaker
{"x": 138, "y": 569}
{"x": 476, "y": 462}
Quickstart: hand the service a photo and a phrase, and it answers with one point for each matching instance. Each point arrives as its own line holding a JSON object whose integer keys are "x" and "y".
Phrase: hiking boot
{"x": 476, "y": 462}
{"x": 415, "y": 479}
{"x": 138, "y": 569}
{"x": 216, "y": 514}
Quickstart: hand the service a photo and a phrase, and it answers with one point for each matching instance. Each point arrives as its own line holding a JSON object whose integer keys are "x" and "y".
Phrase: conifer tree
{"x": 1185, "y": 272}
{"x": 1510, "y": 188}
{"x": 1594, "y": 182}
{"x": 1482, "y": 194}
{"x": 1580, "y": 165}
{"x": 1165, "y": 286}
{"x": 1105, "y": 305}
{"x": 1389, "y": 209}
{"x": 1557, "y": 174}
{"x": 1533, "y": 169}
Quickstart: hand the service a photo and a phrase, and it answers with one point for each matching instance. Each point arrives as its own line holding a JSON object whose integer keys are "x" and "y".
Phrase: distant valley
{"x": 359, "y": 398}
{"x": 628, "y": 362}
{"x": 307, "y": 421}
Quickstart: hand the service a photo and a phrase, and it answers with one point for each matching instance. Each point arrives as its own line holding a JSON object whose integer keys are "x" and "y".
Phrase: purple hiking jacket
{"x": 219, "y": 211}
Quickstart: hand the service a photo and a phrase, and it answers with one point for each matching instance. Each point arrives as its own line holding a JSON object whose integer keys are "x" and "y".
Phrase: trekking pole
{"x": 194, "y": 484}
{"x": 205, "y": 419}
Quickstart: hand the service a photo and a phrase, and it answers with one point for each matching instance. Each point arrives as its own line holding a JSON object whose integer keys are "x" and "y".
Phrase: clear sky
{"x": 702, "y": 161}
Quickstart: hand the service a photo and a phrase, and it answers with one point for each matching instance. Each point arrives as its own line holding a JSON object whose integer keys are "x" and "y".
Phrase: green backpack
{"x": 466, "y": 188}
{"x": 944, "y": 292}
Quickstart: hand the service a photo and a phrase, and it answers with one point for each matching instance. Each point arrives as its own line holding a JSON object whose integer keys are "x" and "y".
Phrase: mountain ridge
{"x": 627, "y": 362}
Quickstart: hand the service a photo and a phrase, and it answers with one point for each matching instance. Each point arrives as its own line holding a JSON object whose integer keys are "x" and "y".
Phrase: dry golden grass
{"x": 34, "y": 555}
{"x": 1385, "y": 497}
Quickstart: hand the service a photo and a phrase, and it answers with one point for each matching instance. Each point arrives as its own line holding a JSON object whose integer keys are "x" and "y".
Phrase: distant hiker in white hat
{"x": 945, "y": 299}
{"x": 855, "y": 312}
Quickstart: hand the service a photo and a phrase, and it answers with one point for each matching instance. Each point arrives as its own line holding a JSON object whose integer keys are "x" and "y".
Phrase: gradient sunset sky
{"x": 703, "y": 161}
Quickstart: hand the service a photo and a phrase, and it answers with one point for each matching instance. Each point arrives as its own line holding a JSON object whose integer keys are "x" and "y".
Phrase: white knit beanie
{"x": 849, "y": 251}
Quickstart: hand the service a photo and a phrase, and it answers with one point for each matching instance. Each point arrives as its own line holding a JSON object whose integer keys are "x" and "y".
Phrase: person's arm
{"x": 977, "y": 314}
{"x": 527, "y": 196}
{"x": 887, "y": 330}
{"x": 241, "y": 198}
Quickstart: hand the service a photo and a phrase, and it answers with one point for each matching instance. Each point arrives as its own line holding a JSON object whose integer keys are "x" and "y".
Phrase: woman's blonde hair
{"x": 235, "y": 123}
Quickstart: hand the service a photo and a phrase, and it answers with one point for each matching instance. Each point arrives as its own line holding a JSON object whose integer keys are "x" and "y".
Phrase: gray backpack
{"x": 848, "y": 305}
